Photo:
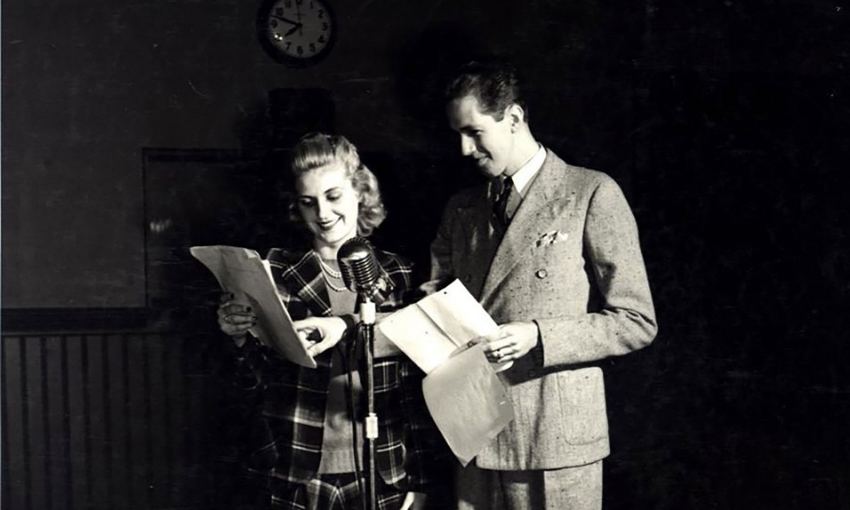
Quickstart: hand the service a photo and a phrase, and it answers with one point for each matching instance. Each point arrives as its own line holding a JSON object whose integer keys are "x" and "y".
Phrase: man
{"x": 552, "y": 253}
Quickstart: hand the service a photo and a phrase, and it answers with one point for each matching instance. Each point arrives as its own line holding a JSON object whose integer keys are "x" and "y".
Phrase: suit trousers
{"x": 571, "y": 488}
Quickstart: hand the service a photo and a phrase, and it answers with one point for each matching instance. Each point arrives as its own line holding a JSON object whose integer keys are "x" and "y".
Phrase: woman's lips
{"x": 328, "y": 226}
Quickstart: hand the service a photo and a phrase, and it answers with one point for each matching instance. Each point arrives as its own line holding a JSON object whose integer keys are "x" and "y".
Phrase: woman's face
{"x": 329, "y": 204}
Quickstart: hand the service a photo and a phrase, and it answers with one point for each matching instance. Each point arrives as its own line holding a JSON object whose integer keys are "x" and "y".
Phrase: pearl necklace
{"x": 330, "y": 273}
{"x": 328, "y": 269}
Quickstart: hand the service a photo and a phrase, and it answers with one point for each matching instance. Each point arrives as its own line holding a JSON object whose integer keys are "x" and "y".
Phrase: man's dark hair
{"x": 496, "y": 83}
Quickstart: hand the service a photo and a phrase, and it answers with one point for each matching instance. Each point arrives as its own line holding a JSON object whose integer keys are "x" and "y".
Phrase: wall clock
{"x": 297, "y": 33}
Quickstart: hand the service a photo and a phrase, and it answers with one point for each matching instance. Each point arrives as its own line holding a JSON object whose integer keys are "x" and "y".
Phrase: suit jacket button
{"x": 532, "y": 374}
{"x": 541, "y": 273}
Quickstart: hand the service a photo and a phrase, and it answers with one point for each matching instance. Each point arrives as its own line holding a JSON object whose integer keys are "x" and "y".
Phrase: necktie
{"x": 501, "y": 206}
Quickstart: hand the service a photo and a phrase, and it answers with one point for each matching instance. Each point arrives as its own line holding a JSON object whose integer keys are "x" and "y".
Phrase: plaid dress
{"x": 286, "y": 442}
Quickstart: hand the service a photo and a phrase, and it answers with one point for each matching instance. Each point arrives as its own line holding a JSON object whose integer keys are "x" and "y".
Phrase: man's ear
{"x": 516, "y": 115}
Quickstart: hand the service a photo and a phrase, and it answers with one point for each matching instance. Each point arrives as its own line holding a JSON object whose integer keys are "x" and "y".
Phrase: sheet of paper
{"x": 438, "y": 326}
{"x": 418, "y": 337}
{"x": 457, "y": 313}
{"x": 244, "y": 273}
{"x": 468, "y": 402}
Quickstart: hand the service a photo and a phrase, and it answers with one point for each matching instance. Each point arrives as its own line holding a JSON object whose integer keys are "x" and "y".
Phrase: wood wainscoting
{"x": 113, "y": 420}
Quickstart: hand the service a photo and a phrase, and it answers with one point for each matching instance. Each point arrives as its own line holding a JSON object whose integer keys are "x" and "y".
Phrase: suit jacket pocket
{"x": 582, "y": 400}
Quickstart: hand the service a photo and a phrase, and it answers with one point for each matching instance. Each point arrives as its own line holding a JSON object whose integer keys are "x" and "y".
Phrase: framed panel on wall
{"x": 201, "y": 197}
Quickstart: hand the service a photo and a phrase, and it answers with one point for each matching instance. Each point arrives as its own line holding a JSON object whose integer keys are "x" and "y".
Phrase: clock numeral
{"x": 312, "y": 48}
{"x": 300, "y": 50}
{"x": 278, "y": 11}
{"x": 288, "y": 44}
{"x": 299, "y": 2}
{"x": 273, "y": 23}
{"x": 287, "y": 4}
{"x": 321, "y": 39}
{"x": 325, "y": 26}
{"x": 321, "y": 13}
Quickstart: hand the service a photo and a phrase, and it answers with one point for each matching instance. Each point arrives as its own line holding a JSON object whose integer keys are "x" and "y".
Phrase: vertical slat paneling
{"x": 139, "y": 426}
{"x": 16, "y": 479}
{"x": 159, "y": 429}
{"x": 5, "y": 472}
{"x": 177, "y": 396}
{"x": 77, "y": 420}
{"x": 98, "y": 437}
{"x": 100, "y": 422}
{"x": 118, "y": 429}
{"x": 193, "y": 431}
{"x": 35, "y": 433}
{"x": 56, "y": 391}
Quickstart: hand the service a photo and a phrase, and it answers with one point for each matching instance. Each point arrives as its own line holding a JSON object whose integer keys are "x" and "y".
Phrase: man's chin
{"x": 491, "y": 172}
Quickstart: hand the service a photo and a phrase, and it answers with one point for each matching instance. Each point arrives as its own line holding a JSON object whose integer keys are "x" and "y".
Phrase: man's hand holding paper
{"x": 510, "y": 342}
{"x": 439, "y": 326}
{"x": 464, "y": 395}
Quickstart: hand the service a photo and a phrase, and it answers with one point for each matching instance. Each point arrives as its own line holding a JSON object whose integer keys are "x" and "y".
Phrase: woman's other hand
{"x": 319, "y": 334}
{"x": 235, "y": 318}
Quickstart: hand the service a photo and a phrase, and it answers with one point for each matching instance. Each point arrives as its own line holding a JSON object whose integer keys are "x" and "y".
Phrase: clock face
{"x": 296, "y": 32}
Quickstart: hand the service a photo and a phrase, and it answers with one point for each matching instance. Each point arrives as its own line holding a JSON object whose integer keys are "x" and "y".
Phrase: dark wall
{"x": 87, "y": 85}
{"x": 741, "y": 149}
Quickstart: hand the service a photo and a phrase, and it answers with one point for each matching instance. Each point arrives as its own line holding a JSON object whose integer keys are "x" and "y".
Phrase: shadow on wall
{"x": 421, "y": 66}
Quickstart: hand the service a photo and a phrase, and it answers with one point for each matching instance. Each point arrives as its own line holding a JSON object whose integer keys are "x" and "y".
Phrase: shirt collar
{"x": 526, "y": 172}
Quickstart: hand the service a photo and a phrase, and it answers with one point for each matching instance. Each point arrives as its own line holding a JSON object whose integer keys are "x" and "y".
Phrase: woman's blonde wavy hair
{"x": 317, "y": 150}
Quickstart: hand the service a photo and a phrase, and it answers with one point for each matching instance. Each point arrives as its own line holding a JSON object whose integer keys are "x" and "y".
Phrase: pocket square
{"x": 550, "y": 238}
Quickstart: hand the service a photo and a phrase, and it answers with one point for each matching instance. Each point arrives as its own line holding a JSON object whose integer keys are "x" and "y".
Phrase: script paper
{"x": 468, "y": 402}
{"x": 464, "y": 395}
{"x": 244, "y": 273}
{"x": 434, "y": 328}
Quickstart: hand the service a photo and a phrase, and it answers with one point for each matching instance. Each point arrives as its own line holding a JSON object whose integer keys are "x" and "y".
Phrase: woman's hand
{"x": 414, "y": 501}
{"x": 319, "y": 334}
{"x": 235, "y": 318}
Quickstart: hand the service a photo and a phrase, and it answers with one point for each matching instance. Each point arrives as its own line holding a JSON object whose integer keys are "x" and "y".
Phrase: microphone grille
{"x": 357, "y": 264}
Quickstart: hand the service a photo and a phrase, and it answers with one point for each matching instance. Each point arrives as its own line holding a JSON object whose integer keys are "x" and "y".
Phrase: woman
{"x": 308, "y": 445}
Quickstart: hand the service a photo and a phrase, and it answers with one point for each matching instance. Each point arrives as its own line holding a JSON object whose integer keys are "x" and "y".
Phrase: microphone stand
{"x": 367, "y": 319}
{"x": 361, "y": 274}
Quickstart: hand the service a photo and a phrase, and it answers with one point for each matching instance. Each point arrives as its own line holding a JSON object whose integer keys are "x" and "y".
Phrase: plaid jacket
{"x": 287, "y": 438}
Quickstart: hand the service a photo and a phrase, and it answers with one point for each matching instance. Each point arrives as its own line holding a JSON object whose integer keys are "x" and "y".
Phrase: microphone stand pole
{"x": 368, "y": 319}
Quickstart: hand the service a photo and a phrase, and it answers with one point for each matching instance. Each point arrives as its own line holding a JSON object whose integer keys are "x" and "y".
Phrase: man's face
{"x": 488, "y": 141}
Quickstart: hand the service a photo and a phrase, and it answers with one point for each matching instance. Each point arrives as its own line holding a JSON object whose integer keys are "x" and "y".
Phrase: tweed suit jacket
{"x": 570, "y": 260}
{"x": 286, "y": 440}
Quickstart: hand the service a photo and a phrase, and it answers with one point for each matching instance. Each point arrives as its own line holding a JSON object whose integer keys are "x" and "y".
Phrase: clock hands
{"x": 298, "y": 13}
{"x": 285, "y": 20}
{"x": 295, "y": 24}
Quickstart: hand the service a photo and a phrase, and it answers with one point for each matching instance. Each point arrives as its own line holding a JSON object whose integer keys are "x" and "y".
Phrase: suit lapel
{"x": 480, "y": 236}
{"x": 476, "y": 216}
{"x": 544, "y": 202}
